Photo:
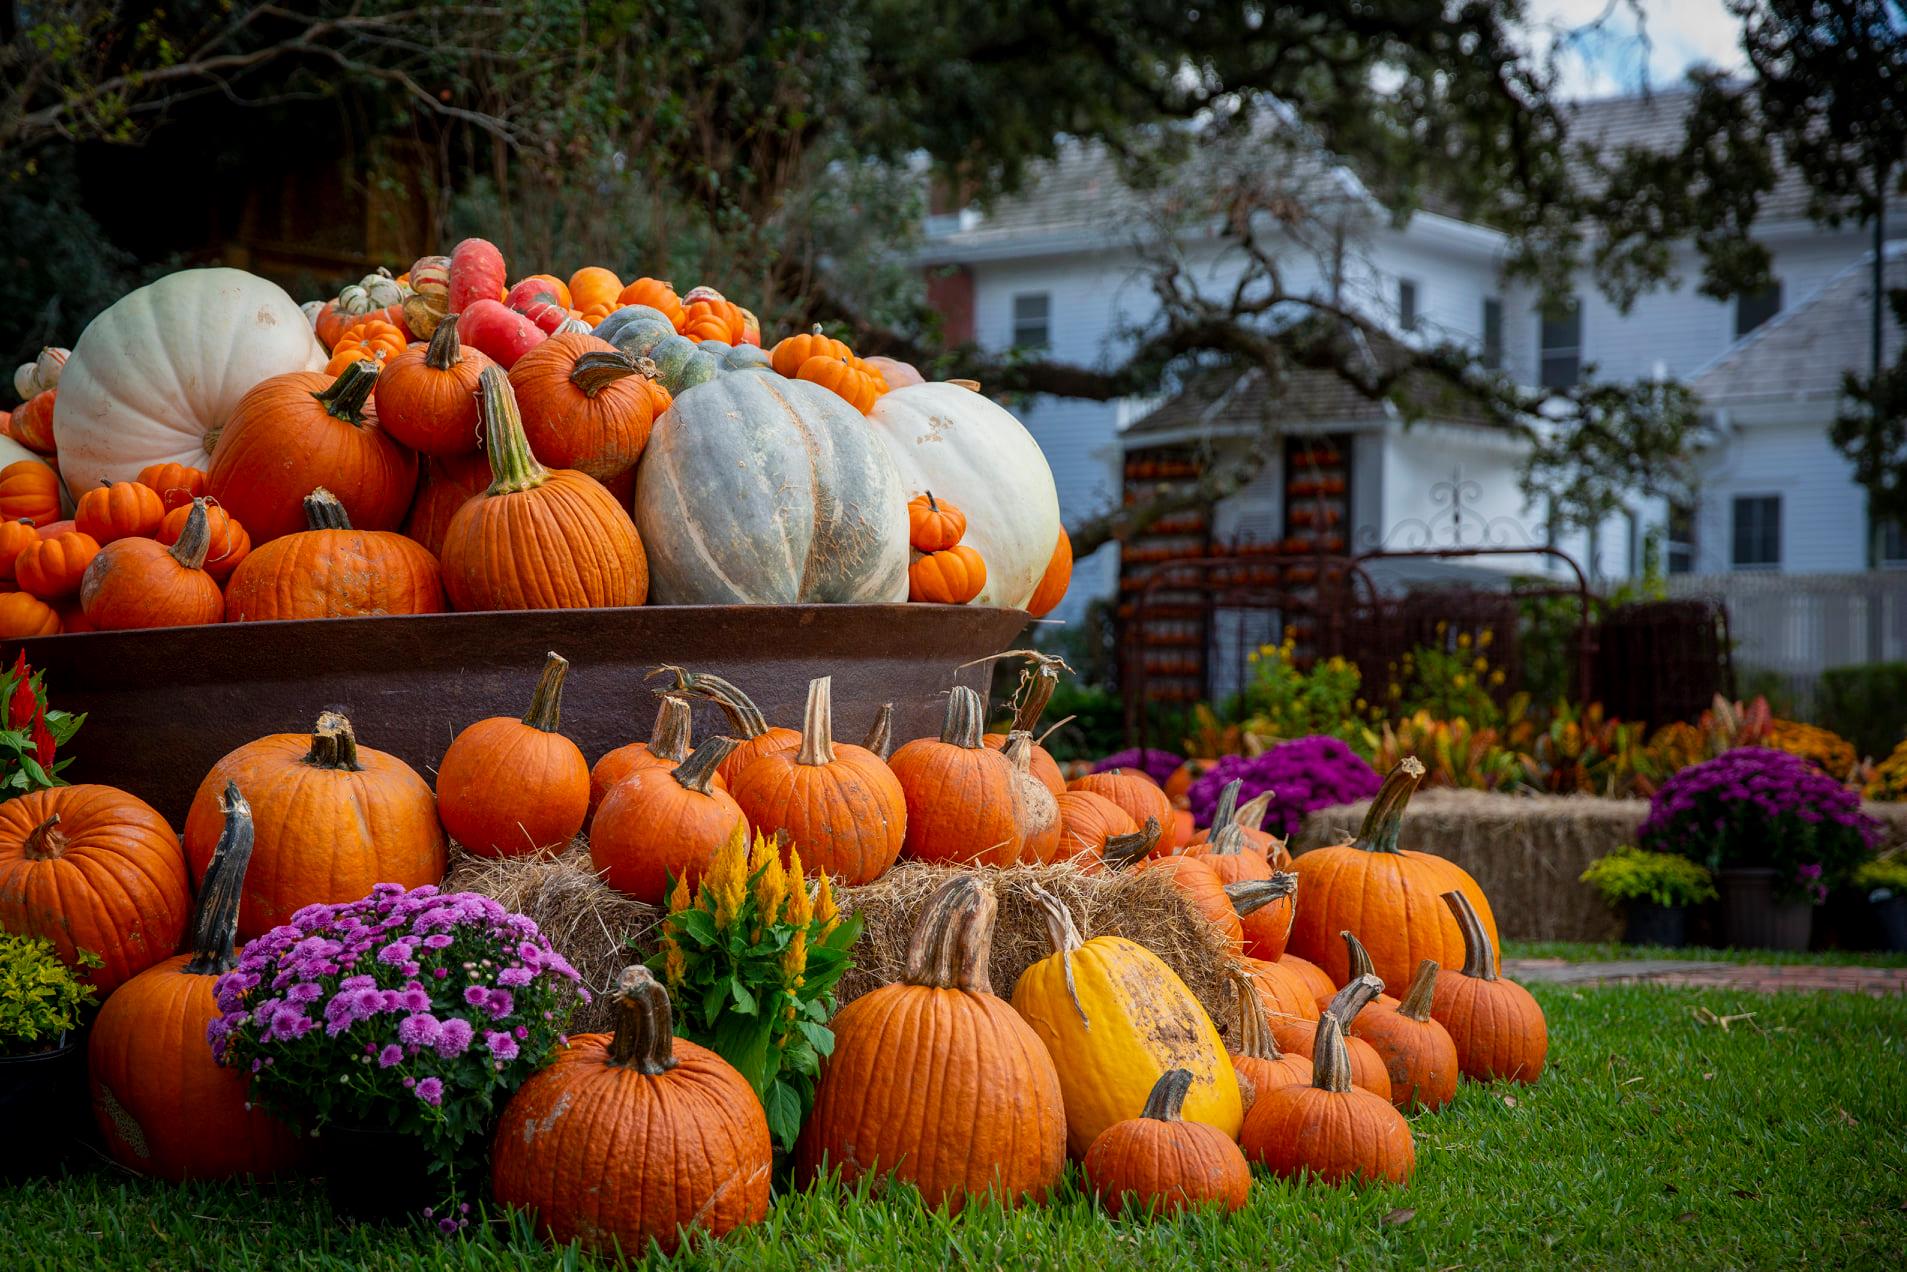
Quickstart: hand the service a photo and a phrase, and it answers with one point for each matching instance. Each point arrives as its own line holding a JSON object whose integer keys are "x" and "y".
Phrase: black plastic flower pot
{"x": 1647, "y": 923}
{"x": 43, "y": 1106}
{"x": 1754, "y": 916}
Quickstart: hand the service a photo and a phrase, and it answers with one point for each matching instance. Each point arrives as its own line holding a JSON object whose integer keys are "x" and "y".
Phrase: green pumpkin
{"x": 611, "y": 328}
{"x": 746, "y": 358}
{"x": 681, "y": 363}
{"x": 755, "y": 490}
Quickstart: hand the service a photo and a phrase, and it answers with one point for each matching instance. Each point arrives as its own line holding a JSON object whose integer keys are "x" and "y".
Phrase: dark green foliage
{"x": 1867, "y": 705}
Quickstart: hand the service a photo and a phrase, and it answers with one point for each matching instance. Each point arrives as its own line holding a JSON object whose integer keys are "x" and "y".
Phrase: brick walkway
{"x": 1687, "y": 973}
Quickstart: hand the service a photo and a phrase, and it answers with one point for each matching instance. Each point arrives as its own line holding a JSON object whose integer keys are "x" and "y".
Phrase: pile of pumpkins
{"x": 562, "y": 444}
{"x": 1102, "y": 1053}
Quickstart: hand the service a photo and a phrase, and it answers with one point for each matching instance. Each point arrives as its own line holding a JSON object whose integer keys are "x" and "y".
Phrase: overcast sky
{"x": 1681, "y": 33}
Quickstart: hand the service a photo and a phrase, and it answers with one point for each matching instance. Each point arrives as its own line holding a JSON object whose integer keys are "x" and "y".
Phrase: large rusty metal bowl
{"x": 164, "y": 705}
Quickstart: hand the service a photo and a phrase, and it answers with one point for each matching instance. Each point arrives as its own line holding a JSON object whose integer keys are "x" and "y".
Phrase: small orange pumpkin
{"x": 788, "y": 354}
{"x": 856, "y": 386}
{"x": 119, "y": 510}
{"x": 658, "y": 825}
{"x": 15, "y": 537}
{"x": 1132, "y": 790}
{"x": 31, "y": 490}
{"x": 1160, "y": 1163}
{"x": 227, "y": 544}
{"x": 961, "y": 805}
{"x": 668, "y": 746}
{"x": 1053, "y": 584}
{"x": 509, "y": 787}
{"x": 592, "y": 287}
{"x": 656, "y": 294}
{"x": 23, "y": 616}
{"x": 1497, "y": 1025}
{"x": 1417, "y": 1051}
{"x": 1257, "y": 1057}
{"x": 176, "y": 484}
{"x": 134, "y": 583}
{"x": 1036, "y": 690}
{"x": 751, "y": 729}
{"x": 583, "y": 405}
{"x": 427, "y": 396}
{"x": 369, "y": 338}
{"x": 32, "y": 422}
{"x": 933, "y": 525}
{"x": 331, "y": 570}
{"x": 1331, "y": 1129}
{"x": 953, "y": 577}
{"x": 54, "y": 567}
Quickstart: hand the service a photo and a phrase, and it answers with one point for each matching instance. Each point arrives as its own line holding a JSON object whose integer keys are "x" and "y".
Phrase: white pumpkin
{"x": 971, "y": 452}
{"x": 154, "y": 378}
{"x": 11, "y": 452}
{"x": 755, "y": 490}
{"x": 30, "y": 379}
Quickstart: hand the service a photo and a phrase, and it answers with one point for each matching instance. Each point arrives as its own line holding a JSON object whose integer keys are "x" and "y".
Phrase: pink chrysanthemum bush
{"x": 415, "y": 1011}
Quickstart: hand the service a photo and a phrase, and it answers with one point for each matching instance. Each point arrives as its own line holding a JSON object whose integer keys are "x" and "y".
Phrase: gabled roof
{"x": 1803, "y": 352}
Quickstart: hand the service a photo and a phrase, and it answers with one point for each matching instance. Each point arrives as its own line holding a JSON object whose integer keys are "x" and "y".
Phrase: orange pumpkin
{"x": 660, "y": 825}
{"x": 1496, "y": 1024}
{"x": 23, "y": 616}
{"x": 370, "y": 338}
{"x": 932, "y": 525}
{"x": 54, "y": 567}
{"x": 1360, "y": 963}
{"x": 446, "y": 484}
{"x": 789, "y": 354}
{"x": 853, "y": 384}
{"x": 1331, "y": 1129}
{"x": 32, "y": 422}
{"x": 1220, "y": 902}
{"x": 295, "y": 432}
{"x": 754, "y": 737}
{"x": 427, "y": 395}
{"x": 332, "y": 818}
{"x": 1291, "y": 1008}
{"x": 953, "y": 577}
{"x": 1058, "y": 577}
{"x": 594, "y": 287}
{"x": 1309, "y": 974}
{"x": 836, "y": 804}
{"x": 656, "y": 294}
{"x": 538, "y": 538}
{"x": 1266, "y": 929}
{"x": 1088, "y": 822}
{"x": 668, "y": 746}
{"x": 1158, "y": 1163}
{"x": 177, "y": 484}
{"x": 1417, "y": 1051}
{"x": 1249, "y": 818}
{"x": 135, "y": 583}
{"x": 227, "y": 543}
{"x": 1257, "y": 1058}
{"x": 583, "y": 405}
{"x": 163, "y": 1105}
{"x": 509, "y": 787}
{"x": 15, "y": 537}
{"x": 330, "y": 570}
{"x": 1132, "y": 790}
{"x": 1033, "y": 804}
{"x": 119, "y": 510}
{"x": 713, "y": 317}
{"x": 93, "y": 868}
{"x": 1367, "y": 1067}
{"x": 30, "y": 490}
{"x": 961, "y": 806}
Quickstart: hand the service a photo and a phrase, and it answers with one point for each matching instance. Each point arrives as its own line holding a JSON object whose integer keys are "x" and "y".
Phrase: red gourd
{"x": 491, "y": 328}
{"x": 476, "y": 273}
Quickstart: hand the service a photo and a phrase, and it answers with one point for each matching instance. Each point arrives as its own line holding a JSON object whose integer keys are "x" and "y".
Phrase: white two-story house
{"x": 1065, "y": 270}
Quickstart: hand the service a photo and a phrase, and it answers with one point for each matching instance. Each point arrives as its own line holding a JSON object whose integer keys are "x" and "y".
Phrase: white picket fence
{"x": 1799, "y": 625}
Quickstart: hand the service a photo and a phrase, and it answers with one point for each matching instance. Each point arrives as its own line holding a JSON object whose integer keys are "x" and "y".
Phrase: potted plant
{"x": 1884, "y": 879}
{"x": 42, "y": 1055}
{"x": 1655, "y": 890}
{"x": 1777, "y": 832}
{"x": 392, "y": 1029}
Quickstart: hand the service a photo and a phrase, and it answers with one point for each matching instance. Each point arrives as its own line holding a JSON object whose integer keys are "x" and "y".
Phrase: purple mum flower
{"x": 431, "y": 1091}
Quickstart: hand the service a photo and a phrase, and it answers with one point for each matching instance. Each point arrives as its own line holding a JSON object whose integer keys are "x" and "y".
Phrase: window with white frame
{"x": 1757, "y": 537}
{"x": 1492, "y": 333}
{"x": 1407, "y": 304}
{"x": 1031, "y": 316}
{"x": 1561, "y": 345}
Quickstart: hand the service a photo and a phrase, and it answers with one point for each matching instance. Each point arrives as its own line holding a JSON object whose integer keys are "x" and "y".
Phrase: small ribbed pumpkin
{"x": 119, "y": 510}
{"x": 427, "y": 395}
{"x": 836, "y": 803}
{"x": 509, "y": 787}
{"x": 23, "y": 616}
{"x": 1257, "y": 1057}
{"x": 227, "y": 543}
{"x": 659, "y": 825}
{"x": 583, "y": 405}
{"x": 932, "y": 525}
{"x": 1036, "y": 690}
{"x": 332, "y": 818}
{"x": 54, "y": 567}
{"x": 538, "y": 538}
{"x": 1132, "y": 790}
{"x": 177, "y": 485}
{"x": 1417, "y": 1052}
{"x": 668, "y": 746}
{"x": 447, "y": 483}
{"x": 15, "y": 537}
{"x": 960, "y": 795}
{"x": 136, "y": 583}
{"x": 1158, "y": 1163}
{"x": 1115, "y": 1018}
{"x": 29, "y": 489}
{"x": 753, "y": 735}
{"x": 1331, "y": 1129}
{"x": 163, "y": 1105}
{"x": 953, "y": 577}
{"x": 670, "y": 1137}
{"x": 788, "y": 354}
{"x": 936, "y": 1080}
{"x": 1497, "y": 1025}
{"x": 331, "y": 570}
{"x": 93, "y": 868}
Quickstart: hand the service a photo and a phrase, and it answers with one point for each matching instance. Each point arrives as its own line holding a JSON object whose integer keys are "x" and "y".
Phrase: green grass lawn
{"x": 1606, "y": 951}
{"x": 1658, "y": 1137}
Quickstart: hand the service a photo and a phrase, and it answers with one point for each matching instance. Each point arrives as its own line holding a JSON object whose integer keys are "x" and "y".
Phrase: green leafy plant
{"x": 1288, "y": 701}
{"x": 1864, "y": 705}
{"x": 1451, "y": 680}
{"x": 1629, "y": 874}
{"x": 1454, "y": 753}
{"x": 41, "y": 998}
{"x": 1888, "y": 874}
{"x": 751, "y": 959}
{"x": 1582, "y": 751}
{"x": 33, "y": 734}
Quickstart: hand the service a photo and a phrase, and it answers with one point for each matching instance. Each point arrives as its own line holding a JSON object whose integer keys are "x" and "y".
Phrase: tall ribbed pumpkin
{"x": 837, "y": 803}
{"x": 538, "y": 538}
{"x": 162, "y": 1104}
{"x": 960, "y": 795}
{"x": 936, "y": 1080}
{"x": 332, "y": 818}
{"x": 93, "y": 868}
{"x": 508, "y": 787}
{"x": 332, "y": 570}
{"x": 1498, "y": 1027}
{"x": 634, "y": 1136}
{"x": 1115, "y": 1018}
{"x": 1387, "y": 895}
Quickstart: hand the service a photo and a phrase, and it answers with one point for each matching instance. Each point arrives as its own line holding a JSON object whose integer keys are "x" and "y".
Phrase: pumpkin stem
{"x": 347, "y": 395}
{"x": 695, "y": 772}
{"x": 1251, "y": 814}
{"x": 1330, "y": 1058}
{"x": 215, "y": 921}
{"x": 645, "y": 1029}
{"x": 334, "y": 745}
{"x": 1479, "y": 956}
{"x": 669, "y": 739}
{"x": 599, "y": 368}
{"x": 1353, "y": 998}
{"x": 1019, "y": 751}
{"x": 1256, "y": 894}
{"x": 817, "y": 723}
{"x": 1379, "y": 833}
{"x": 1254, "y": 1027}
{"x": 445, "y": 350}
{"x": 736, "y": 705}
{"x": 44, "y": 842}
{"x": 880, "y": 738}
{"x": 324, "y": 512}
{"x": 513, "y": 465}
{"x": 546, "y": 704}
{"x": 965, "y": 715}
{"x": 1360, "y": 958}
{"x": 1036, "y": 690}
{"x": 1120, "y": 851}
{"x": 953, "y": 938}
{"x": 1226, "y": 810}
{"x": 1423, "y": 991}
{"x": 1064, "y": 935}
{"x": 1168, "y": 1096}
{"x": 194, "y": 540}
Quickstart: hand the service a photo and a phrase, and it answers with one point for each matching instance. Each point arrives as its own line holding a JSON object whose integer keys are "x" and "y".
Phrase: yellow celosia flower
{"x": 727, "y": 879}
{"x": 1463, "y": 640}
{"x": 680, "y": 899}
{"x": 1483, "y": 641}
{"x": 824, "y": 908}
{"x": 673, "y": 965}
{"x": 794, "y": 959}
{"x": 800, "y": 904}
{"x": 763, "y": 849}
{"x": 771, "y": 889}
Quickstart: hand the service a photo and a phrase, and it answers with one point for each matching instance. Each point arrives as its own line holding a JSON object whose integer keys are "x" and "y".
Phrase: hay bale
{"x": 600, "y": 930}
{"x": 1893, "y": 819}
{"x": 1526, "y": 851}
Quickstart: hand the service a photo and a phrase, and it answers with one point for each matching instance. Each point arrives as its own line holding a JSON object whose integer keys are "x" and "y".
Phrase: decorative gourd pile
{"x": 549, "y": 444}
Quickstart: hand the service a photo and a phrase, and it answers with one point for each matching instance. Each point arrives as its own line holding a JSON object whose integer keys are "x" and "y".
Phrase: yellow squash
{"x": 1116, "y": 1018}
